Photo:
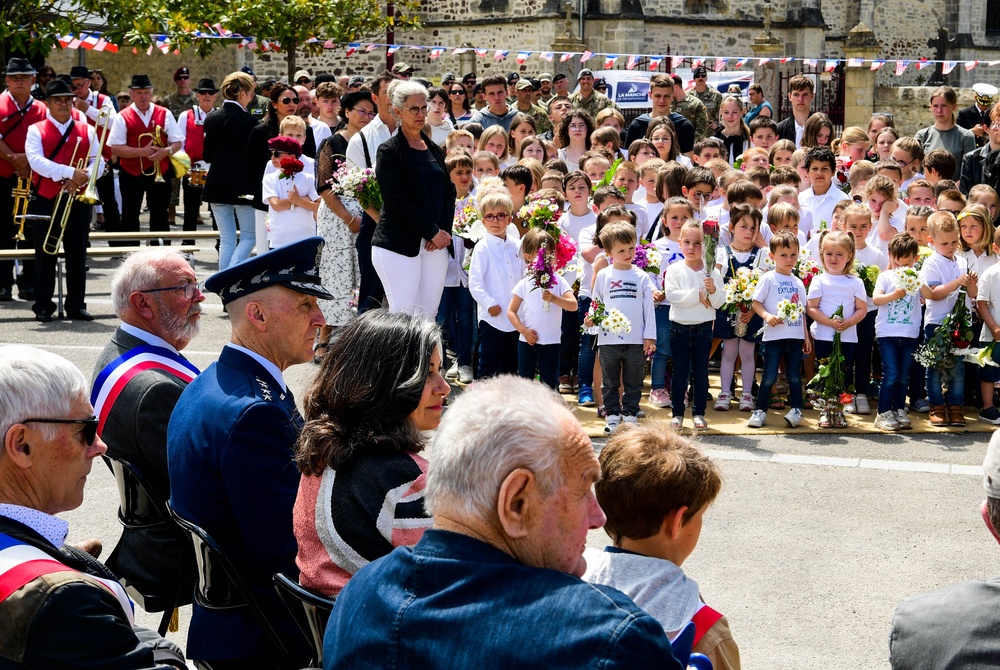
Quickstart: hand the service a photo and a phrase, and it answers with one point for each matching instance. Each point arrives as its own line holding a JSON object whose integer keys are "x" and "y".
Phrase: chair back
{"x": 310, "y": 610}
{"x": 220, "y": 586}
{"x": 137, "y": 507}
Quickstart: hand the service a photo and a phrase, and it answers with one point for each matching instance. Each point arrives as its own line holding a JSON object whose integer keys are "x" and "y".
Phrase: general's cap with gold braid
{"x": 295, "y": 266}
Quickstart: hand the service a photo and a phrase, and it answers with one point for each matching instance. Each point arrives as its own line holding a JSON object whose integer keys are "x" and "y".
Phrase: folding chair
{"x": 310, "y": 610}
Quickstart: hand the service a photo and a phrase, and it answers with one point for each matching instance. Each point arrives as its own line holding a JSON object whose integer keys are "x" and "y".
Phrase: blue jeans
{"x": 226, "y": 216}
{"x": 690, "y": 346}
{"x": 626, "y": 362}
{"x": 497, "y": 352}
{"x": 585, "y": 366}
{"x": 662, "y": 354}
{"x": 897, "y": 356}
{"x": 455, "y": 315}
{"x": 774, "y": 351}
{"x": 541, "y": 357}
{"x": 956, "y": 383}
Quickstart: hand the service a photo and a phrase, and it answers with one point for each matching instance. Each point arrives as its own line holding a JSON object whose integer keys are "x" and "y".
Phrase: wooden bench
{"x": 101, "y": 235}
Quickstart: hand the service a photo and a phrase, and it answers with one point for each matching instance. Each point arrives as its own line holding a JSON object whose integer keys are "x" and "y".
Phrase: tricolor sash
{"x": 21, "y": 563}
{"x": 117, "y": 374}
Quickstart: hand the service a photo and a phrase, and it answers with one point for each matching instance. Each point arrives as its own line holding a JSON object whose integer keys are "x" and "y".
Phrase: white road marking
{"x": 871, "y": 464}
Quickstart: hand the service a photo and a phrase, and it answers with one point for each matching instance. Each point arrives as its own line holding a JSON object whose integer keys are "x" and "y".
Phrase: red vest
{"x": 194, "y": 145}
{"x": 14, "y": 129}
{"x": 133, "y": 129}
{"x": 47, "y": 188}
{"x": 102, "y": 129}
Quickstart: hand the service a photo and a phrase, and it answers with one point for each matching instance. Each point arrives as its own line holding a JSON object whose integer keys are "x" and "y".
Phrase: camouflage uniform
{"x": 694, "y": 111}
{"x": 177, "y": 103}
{"x": 592, "y": 105}
{"x": 541, "y": 117}
{"x": 711, "y": 98}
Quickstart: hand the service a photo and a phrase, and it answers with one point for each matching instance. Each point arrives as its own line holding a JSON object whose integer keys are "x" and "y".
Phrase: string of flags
{"x": 95, "y": 42}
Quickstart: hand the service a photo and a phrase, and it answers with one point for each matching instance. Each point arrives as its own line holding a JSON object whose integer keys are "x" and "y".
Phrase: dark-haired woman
{"x": 361, "y": 493}
{"x": 339, "y": 218}
{"x": 459, "y": 109}
{"x": 574, "y": 136}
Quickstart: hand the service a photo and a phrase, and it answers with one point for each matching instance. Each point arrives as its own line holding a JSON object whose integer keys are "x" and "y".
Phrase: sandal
{"x": 824, "y": 419}
{"x": 777, "y": 402}
{"x": 839, "y": 420}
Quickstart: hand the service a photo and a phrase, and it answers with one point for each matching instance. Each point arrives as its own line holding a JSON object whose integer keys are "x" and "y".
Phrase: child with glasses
{"x": 495, "y": 269}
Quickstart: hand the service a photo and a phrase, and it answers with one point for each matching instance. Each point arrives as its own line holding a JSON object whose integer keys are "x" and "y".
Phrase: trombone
{"x": 89, "y": 196}
{"x": 51, "y": 243}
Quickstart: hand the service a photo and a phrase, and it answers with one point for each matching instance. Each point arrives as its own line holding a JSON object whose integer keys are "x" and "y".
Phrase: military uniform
{"x": 258, "y": 107}
{"x": 541, "y": 117}
{"x": 693, "y": 109}
{"x": 178, "y": 103}
{"x": 592, "y": 105}
{"x": 711, "y": 98}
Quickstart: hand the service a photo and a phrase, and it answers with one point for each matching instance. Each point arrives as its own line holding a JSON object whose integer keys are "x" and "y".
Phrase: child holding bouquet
{"x": 290, "y": 195}
{"x": 869, "y": 262}
{"x": 736, "y": 323}
{"x": 531, "y": 309}
{"x": 780, "y": 302}
{"x": 897, "y": 328}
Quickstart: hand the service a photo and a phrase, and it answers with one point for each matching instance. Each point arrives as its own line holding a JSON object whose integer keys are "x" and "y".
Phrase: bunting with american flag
{"x": 546, "y": 56}
{"x": 633, "y": 60}
{"x": 948, "y": 66}
{"x": 500, "y": 54}
{"x": 720, "y": 64}
{"x": 855, "y": 62}
{"x": 901, "y": 66}
{"x": 587, "y": 55}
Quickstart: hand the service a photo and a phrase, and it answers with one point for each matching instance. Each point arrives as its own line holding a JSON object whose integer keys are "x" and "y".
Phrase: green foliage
{"x": 32, "y": 26}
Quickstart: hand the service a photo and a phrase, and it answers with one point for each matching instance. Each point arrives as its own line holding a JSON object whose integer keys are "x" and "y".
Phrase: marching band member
{"x": 191, "y": 124}
{"x": 91, "y": 104}
{"x": 53, "y": 147}
{"x": 18, "y": 110}
{"x": 145, "y": 163}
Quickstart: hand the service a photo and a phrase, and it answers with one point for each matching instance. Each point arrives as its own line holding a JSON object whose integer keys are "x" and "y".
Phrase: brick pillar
{"x": 859, "y": 84}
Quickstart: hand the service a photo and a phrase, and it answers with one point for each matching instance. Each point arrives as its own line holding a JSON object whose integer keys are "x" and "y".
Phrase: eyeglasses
{"x": 278, "y": 154}
{"x": 577, "y": 126}
{"x": 190, "y": 289}
{"x": 303, "y": 80}
{"x": 64, "y": 100}
{"x": 954, "y": 212}
{"x": 183, "y": 76}
{"x": 902, "y": 163}
{"x": 89, "y": 426}
{"x": 701, "y": 76}
{"x": 498, "y": 218}
{"x": 286, "y": 101}
{"x": 416, "y": 110}
{"x": 362, "y": 112}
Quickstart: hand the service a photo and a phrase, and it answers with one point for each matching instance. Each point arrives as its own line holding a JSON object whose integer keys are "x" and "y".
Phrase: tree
{"x": 31, "y": 27}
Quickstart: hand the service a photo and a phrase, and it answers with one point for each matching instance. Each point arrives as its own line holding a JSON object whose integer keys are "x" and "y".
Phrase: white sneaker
{"x": 887, "y": 421}
{"x": 677, "y": 422}
{"x": 628, "y": 418}
{"x": 757, "y": 419}
{"x": 861, "y": 405}
{"x": 722, "y": 402}
{"x": 700, "y": 423}
{"x": 903, "y": 420}
{"x": 851, "y": 408}
{"x": 611, "y": 423}
{"x": 465, "y": 374}
{"x": 747, "y": 403}
{"x": 793, "y": 417}
{"x": 452, "y": 371}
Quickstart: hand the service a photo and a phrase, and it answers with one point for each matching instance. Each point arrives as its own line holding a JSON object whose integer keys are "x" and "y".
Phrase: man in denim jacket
{"x": 496, "y": 582}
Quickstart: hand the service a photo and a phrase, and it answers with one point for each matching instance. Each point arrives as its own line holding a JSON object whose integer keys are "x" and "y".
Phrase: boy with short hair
{"x": 595, "y": 165}
{"x": 943, "y": 273}
{"x": 785, "y": 175}
{"x": 699, "y": 184}
{"x": 988, "y": 306}
{"x": 517, "y": 180}
{"x": 858, "y": 176}
{"x": 607, "y": 195}
{"x": 646, "y": 195}
{"x": 460, "y": 138}
{"x": 754, "y": 157}
{"x": 939, "y": 164}
{"x": 626, "y": 180}
{"x": 655, "y": 488}
{"x": 456, "y": 310}
{"x": 706, "y": 149}
{"x": 891, "y": 170}
{"x": 821, "y": 196}
{"x": 763, "y": 132}
{"x": 761, "y": 176}
{"x": 920, "y": 193}
{"x": 951, "y": 200}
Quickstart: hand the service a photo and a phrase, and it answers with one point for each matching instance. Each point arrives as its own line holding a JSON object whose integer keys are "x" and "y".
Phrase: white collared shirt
{"x": 148, "y": 337}
{"x": 821, "y": 206}
{"x": 375, "y": 133}
{"x": 93, "y": 111}
{"x": 119, "y": 135}
{"x": 494, "y": 272}
{"x": 271, "y": 368}
{"x": 48, "y": 168}
{"x": 53, "y": 529}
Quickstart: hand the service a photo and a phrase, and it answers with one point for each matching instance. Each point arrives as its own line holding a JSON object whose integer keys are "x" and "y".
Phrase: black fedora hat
{"x": 58, "y": 88}
{"x": 19, "y": 66}
{"x": 140, "y": 81}
{"x": 206, "y": 86}
{"x": 79, "y": 72}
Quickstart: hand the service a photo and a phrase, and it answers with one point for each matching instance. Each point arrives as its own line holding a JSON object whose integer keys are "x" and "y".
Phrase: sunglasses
{"x": 89, "y": 426}
{"x": 286, "y": 101}
{"x": 183, "y": 76}
{"x": 458, "y": 91}
{"x": 279, "y": 154}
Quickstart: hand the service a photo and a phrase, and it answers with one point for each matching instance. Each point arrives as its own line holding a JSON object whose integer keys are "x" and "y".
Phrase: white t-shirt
{"x": 871, "y": 256}
{"x": 653, "y": 210}
{"x": 495, "y": 269}
{"x": 574, "y": 225}
{"x": 308, "y": 167}
{"x": 899, "y": 318}
{"x": 833, "y": 291}
{"x": 821, "y": 207}
{"x": 671, "y": 253}
{"x": 774, "y": 287}
{"x": 548, "y": 324}
{"x": 989, "y": 292}
{"x": 936, "y": 271}
{"x": 630, "y": 292}
{"x": 585, "y": 240}
{"x": 978, "y": 264}
{"x": 641, "y": 222}
{"x": 290, "y": 225}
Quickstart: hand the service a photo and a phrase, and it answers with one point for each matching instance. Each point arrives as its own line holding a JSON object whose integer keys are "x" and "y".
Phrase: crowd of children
{"x": 759, "y": 255}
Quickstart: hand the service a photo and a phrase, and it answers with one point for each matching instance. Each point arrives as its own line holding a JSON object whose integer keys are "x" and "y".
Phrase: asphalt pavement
{"x": 812, "y": 542}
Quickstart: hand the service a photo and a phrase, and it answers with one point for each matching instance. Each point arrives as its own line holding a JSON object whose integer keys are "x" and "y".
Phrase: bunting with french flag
{"x": 393, "y": 48}
{"x": 741, "y": 62}
{"x": 788, "y": 59}
{"x": 830, "y": 65}
{"x": 89, "y": 41}
{"x": 609, "y": 61}
{"x": 697, "y": 62}
{"x": 876, "y": 64}
{"x": 923, "y": 63}
{"x": 587, "y": 55}
{"x": 633, "y": 60}
{"x": 482, "y": 52}
{"x": 459, "y": 51}
{"x": 352, "y": 48}
{"x": 948, "y": 66}
{"x": 521, "y": 57}
{"x": 654, "y": 62}
{"x": 969, "y": 64}
{"x": 565, "y": 57}
{"x": 764, "y": 61}
{"x": 436, "y": 53}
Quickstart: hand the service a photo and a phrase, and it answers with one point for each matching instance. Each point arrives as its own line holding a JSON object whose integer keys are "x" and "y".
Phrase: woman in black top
{"x": 413, "y": 236}
{"x": 339, "y": 217}
{"x": 284, "y": 101}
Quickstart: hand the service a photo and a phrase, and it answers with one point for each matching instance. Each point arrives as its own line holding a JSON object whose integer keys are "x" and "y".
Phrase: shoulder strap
{"x": 364, "y": 145}
{"x": 62, "y": 140}
{"x": 703, "y": 620}
{"x": 21, "y": 114}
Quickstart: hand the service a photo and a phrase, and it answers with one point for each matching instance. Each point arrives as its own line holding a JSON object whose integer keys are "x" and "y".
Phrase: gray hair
{"x": 139, "y": 271}
{"x": 492, "y": 429}
{"x": 35, "y": 383}
{"x": 403, "y": 90}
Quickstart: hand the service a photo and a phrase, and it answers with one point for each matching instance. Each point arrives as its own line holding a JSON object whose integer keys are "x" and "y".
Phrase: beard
{"x": 184, "y": 328}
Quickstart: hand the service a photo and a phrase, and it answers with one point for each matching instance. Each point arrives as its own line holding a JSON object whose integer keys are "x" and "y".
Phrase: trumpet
{"x": 179, "y": 160}
{"x": 22, "y": 198}
{"x": 89, "y": 196}
{"x": 52, "y": 243}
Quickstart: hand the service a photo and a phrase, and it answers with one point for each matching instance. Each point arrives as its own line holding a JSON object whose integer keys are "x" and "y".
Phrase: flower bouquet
{"x": 360, "y": 184}
{"x": 565, "y": 252}
{"x": 830, "y": 382}
{"x": 842, "y": 177}
{"x": 789, "y": 310}
{"x": 648, "y": 258}
{"x": 908, "y": 280}
{"x": 542, "y": 213}
{"x": 806, "y": 268}
{"x": 950, "y": 339}
{"x": 739, "y": 296}
{"x": 710, "y": 228}
{"x": 611, "y": 321}
{"x": 982, "y": 356}
{"x": 290, "y": 167}
{"x": 542, "y": 273}
{"x": 467, "y": 223}
{"x": 868, "y": 274}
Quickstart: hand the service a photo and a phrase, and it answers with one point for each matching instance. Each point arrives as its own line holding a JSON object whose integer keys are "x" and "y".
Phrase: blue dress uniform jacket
{"x": 230, "y": 455}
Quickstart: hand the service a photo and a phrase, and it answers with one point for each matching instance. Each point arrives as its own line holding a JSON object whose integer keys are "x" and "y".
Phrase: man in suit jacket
{"x": 974, "y": 163}
{"x": 138, "y": 378}
{"x": 955, "y": 626}
{"x": 230, "y": 448}
{"x": 59, "y": 607}
{"x": 976, "y": 117}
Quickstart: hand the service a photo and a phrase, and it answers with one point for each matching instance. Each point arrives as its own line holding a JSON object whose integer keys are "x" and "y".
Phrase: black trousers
{"x": 74, "y": 243}
{"x": 157, "y": 200}
{"x": 106, "y": 192}
{"x": 7, "y": 232}
{"x": 192, "y": 204}
{"x": 371, "y": 295}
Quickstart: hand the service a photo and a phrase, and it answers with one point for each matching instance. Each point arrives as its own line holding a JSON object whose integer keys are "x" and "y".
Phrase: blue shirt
{"x": 453, "y": 601}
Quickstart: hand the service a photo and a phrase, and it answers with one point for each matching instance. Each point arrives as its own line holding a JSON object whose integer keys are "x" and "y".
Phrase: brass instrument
{"x": 51, "y": 244}
{"x": 197, "y": 176}
{"x": 22, "y": 198}
{"x": 180, "y": 161}
{"x": 89, "y": 196}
